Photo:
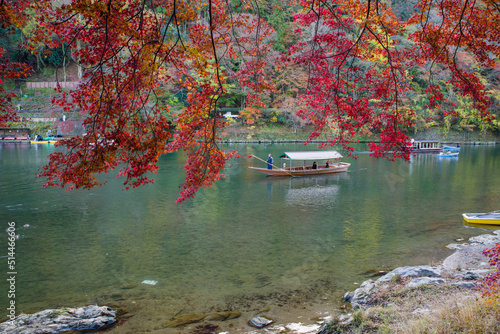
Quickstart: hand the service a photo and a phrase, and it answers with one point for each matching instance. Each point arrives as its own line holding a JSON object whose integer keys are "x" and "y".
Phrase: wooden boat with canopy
{"x": 301, "y": 163}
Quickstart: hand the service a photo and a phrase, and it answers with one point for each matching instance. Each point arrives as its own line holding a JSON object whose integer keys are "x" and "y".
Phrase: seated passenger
{"x": 314, "y": 165}
{"x": 327, "y": 164}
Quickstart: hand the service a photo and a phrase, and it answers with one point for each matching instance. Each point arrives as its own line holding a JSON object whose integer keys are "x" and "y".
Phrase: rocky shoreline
{"x": 462, "y": 270}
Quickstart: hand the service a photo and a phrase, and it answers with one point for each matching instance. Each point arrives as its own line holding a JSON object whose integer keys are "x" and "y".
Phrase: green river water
{"x": 295, "y": 245}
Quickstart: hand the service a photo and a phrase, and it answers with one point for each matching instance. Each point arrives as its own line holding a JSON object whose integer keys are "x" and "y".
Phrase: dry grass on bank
{"x": 439, "y": 309}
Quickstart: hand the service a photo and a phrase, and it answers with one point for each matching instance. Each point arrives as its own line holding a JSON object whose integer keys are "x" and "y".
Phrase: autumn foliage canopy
{"x": 356, "y": 67}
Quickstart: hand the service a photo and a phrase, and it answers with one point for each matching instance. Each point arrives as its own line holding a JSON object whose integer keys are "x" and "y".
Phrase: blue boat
{"x": 451, "y": 148}
{"x": 448, "y": 154}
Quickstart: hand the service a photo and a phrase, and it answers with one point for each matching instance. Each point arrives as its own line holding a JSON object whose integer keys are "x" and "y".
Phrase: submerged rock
{"x": 185, "y": 319}
{"x": 374, "y": 272}
{"x": 222, "y": 316}
{"x": 60, "y": 320}
{"x": 266, "y": 308}
{"x": 190, "y": 318}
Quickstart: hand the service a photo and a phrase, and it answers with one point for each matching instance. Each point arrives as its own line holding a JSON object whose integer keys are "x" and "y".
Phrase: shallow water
{"x": 293, "y": 244}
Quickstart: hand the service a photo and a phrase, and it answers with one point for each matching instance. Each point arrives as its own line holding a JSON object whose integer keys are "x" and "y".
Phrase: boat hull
{"x": 448, "y": 155}
{"x": 482, "y": 218}
{"x": 427, "y": 150}
{"x": 299, "y": 171}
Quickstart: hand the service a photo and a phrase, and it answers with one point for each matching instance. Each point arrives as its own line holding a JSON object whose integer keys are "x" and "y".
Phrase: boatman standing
{"x": 270, "y": 162}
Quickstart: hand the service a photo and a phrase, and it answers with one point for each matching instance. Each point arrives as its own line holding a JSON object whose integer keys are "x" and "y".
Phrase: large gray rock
{"x": 424, "y": 280}
{"x": 470, "y": 255}
{"x": 465, "y": 285}
{"x": 411, "y": 272}
{"x": 60, "y": 320}
{"x": 472, "y": 276}
{"x": 362, "y": 295}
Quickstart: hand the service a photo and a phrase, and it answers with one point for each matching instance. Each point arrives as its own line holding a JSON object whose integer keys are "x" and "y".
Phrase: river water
{"x": 295, "y": 245}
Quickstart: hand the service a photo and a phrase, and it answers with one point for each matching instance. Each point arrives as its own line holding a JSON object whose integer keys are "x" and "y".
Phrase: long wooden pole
{"x": 284, "y": 170}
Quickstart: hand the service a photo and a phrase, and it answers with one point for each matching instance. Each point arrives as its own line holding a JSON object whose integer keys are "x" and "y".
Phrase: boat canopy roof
{"x": 311, "y": 155}
{"x": 425, "y": 141}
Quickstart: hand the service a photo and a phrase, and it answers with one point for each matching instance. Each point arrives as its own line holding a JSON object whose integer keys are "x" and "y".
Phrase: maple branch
{"x": 494, "y": 4}
{"x": 67, "y": 19}
{"x": 221, "y": 87}
{"x": 462, "y": 34}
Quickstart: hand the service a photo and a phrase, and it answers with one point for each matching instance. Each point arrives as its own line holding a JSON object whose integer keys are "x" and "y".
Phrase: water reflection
{"x": 315, "y": 195}
{"x": 310, "y": 190}
{"x": 314, "y": 190}
{"x": 485, "y": 227}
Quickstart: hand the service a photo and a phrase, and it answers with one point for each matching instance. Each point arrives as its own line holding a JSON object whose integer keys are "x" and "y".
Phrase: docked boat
{"x": 451, "y": 148}
{"x": 299, "y": 163}
{"x": 490, "y": 218}
{"x": 426, "y": 146}
{"x": 43, "y": 141}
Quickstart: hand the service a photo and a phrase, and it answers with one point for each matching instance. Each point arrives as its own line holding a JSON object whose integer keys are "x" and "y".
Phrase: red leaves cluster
{"x": 490, "y": 285}
{"x": 347, "y": 93}
{"x": 435, "y": 95}
{"x": 131, "y": 53}
{"x": 197, "y": 133}
{"x": 124, "y": 129}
